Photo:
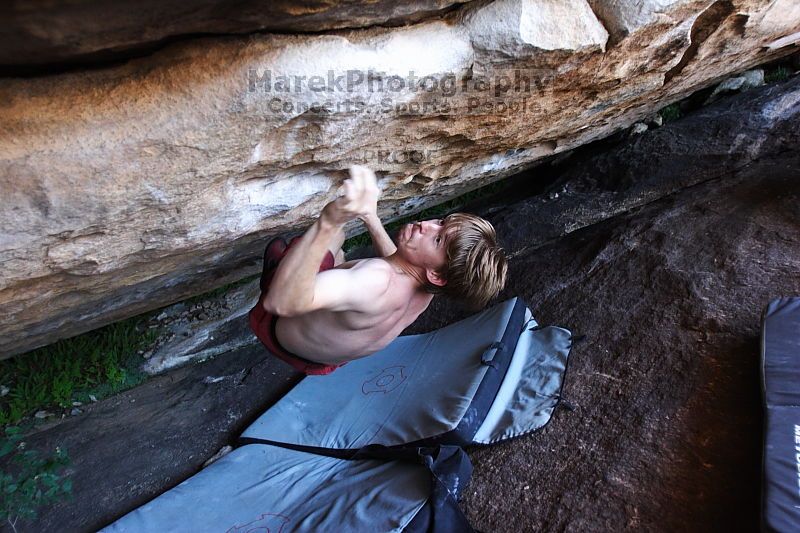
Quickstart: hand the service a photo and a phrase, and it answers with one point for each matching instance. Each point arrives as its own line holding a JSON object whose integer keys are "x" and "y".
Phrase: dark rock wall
{"x": 666, "y": 434}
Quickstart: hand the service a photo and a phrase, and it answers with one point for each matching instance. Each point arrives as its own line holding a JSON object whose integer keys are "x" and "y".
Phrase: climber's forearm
{"x": 383, "y": 244}
{"x": 292, "y": 288}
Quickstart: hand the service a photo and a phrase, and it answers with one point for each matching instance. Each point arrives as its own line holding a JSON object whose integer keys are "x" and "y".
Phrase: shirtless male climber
{"x": 317, "y": 312}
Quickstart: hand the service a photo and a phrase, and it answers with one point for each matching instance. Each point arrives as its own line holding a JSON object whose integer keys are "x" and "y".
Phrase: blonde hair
{"x": 476, "y": 266}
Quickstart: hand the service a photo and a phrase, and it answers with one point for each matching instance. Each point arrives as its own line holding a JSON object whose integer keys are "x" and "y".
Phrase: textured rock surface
{"x": 665, "y": 435}
{"x": 666, "y": 432}
{"x": 43, "y": 32}
{"x": 131, "y": 187}
{"x": 592, "y": 184}
{"x": 201, "y": 337}
{"x": 714, "y": 142}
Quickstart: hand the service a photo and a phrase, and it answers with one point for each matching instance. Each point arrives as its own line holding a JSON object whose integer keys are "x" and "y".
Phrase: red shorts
{"x": 263, "y": 325}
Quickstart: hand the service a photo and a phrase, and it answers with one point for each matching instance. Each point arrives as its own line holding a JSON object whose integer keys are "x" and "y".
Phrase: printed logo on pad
{"x": 266, "y": 523}
{"x": 387, "y": 381}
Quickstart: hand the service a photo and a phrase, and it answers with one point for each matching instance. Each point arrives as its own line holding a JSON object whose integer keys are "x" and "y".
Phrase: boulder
{"x": 133, "y": 186}
{"x": 665, "y": 428}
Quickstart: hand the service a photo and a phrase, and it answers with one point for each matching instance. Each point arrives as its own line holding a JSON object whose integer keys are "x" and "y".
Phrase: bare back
{"x": 333, "y": 337}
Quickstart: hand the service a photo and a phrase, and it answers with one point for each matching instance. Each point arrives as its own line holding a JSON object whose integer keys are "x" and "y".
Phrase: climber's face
{"x": 424, "y": 245}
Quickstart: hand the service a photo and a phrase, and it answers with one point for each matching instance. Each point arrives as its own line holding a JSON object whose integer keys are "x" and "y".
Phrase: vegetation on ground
{"x": 671, "y": 113}
{"x": 90, "y": 366}
{"x": 29, "y": 480}
{"x": 779, "y": 73}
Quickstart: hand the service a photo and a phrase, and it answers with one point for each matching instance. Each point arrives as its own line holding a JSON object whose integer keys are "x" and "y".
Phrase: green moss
{"x": 671, "y": 113}
{"x": 776, "y": 74}
{"x": 98, "y": 363}
{"x": 29, "y": 480}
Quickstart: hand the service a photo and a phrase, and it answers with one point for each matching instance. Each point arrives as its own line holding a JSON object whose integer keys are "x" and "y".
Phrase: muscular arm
{"x": 380, "y": 239}
{"x": 292, "y": 289}
{"x": 297, "y": 288}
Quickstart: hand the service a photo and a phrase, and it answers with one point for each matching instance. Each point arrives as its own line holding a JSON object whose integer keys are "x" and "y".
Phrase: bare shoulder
{"x": 370, "y": 263}
{"x": 373, "y": 264}
{"x": 376, "y": 272}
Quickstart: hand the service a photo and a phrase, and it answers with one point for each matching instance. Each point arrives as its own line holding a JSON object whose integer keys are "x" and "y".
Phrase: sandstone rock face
{"x": 130, "y": 187}
{"x": 586, "y": 188}
{"x": 43, "y": 32}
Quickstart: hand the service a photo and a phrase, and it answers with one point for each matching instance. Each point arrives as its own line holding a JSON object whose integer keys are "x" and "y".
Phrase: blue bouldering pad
{"x": 780, "y": 358}
{"x": 377, "y": 445}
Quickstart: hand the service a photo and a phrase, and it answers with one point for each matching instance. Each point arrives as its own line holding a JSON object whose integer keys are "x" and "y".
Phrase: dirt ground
{"x": 666, "y": 431}
{"x": 665, "y": 434}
